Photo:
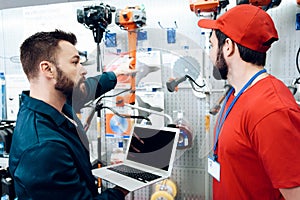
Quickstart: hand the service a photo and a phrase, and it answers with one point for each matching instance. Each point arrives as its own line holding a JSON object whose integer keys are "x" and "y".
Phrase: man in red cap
{"x": 257, "y": 134}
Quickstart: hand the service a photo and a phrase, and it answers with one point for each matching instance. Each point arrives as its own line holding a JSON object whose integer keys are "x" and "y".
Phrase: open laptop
{"x": 150, "y": 151}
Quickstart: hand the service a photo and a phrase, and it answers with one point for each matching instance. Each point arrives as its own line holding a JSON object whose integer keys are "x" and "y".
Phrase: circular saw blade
{"x": 186, "y": 65}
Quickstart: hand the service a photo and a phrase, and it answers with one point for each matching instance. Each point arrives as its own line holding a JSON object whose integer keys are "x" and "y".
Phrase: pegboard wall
{"x": 282, "y": 56}
{"x": 189, "y": 172}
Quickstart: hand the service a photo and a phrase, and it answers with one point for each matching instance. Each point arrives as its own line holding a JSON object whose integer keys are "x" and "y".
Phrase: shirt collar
{"x": 46, "y": 109}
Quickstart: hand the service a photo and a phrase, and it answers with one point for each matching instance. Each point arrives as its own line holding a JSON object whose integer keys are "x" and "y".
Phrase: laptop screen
{"x": 152, "y": 147}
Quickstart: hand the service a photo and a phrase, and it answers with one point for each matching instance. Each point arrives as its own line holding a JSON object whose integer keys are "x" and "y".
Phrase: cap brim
{"x": 207, "y": 23}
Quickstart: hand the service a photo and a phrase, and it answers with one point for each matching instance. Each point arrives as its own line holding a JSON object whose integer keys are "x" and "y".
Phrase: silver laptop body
{"x": 149, "y": 149}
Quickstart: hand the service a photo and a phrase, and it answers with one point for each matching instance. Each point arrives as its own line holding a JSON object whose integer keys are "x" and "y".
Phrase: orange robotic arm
{"x": 130, "y": 19}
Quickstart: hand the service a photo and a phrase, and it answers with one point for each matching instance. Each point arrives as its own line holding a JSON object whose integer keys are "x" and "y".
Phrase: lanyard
{"x": 222, "y": 118}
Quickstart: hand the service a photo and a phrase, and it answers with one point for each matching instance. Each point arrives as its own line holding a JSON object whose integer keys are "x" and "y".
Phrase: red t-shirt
{"x": 259, "y": 144}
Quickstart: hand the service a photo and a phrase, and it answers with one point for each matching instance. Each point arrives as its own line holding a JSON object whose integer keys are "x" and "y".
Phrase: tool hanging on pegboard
{"x": 208, "y": 6}
{"x": 131, "y": 19}
{"x": 171, "y": 33}
{"x": 96, "y": 18}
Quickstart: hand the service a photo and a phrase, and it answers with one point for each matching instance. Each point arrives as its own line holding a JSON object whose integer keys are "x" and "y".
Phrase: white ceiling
{"x": 21, "y": 3}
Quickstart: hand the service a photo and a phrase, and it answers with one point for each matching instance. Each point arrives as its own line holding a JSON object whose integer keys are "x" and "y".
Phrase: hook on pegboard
{"x": 171, "y": 33}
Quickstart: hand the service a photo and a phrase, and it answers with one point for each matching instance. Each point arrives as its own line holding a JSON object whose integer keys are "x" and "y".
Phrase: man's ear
{"x": 229, "y": 47}
{"x": 47, "y": 69}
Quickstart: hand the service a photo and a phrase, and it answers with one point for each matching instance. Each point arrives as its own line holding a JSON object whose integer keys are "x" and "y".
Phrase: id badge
{"x": 213, "y": 168}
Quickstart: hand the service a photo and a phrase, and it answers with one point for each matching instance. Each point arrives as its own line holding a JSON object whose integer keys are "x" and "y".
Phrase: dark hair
{"x": 42, "y": 46}
{"x": 247, "y": 55}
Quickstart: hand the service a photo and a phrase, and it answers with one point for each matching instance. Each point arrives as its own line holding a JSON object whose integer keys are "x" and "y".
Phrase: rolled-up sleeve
{"x": 99, "y": 85}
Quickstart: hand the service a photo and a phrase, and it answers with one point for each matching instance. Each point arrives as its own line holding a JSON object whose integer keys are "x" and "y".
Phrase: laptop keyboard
{"x": 134, "y": 173}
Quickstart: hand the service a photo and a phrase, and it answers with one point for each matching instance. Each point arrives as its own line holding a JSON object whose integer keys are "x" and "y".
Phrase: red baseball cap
{"x": 247, "y": 25}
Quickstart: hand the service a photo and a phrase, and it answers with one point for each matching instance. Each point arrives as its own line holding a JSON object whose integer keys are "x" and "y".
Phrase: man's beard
{"x": 220, "y": 70}
{"x": 66, "y": 85}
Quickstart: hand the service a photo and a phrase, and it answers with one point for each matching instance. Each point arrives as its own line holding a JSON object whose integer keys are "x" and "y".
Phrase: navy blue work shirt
{"x": 47, "y": 157}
